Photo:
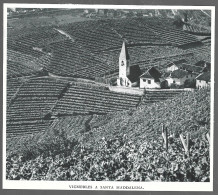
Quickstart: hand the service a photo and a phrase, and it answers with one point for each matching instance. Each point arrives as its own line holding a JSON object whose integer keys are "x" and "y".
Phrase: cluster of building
{"x": 177, "y": 73}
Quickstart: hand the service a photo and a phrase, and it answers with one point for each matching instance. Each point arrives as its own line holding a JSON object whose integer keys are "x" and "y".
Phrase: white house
{"x": 150, "y": 79}
{"x": 174, "y": 65}
{"x": 128, "y": 75}
{"x": 203, "y": 80}
{"x": 179, "y": 76}
{"x": 183, "y": 66}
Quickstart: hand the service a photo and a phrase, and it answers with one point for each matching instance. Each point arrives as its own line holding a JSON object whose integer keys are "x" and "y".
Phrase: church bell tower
{"x": 124, "y": 62}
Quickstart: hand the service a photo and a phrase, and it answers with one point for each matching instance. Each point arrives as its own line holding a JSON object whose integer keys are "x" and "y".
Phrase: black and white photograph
{"x": 108, "y": 97}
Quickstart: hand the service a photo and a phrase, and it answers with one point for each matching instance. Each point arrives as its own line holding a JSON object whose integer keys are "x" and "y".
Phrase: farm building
{"x": 203, "y": 80}
{"x": 174, "y": 65}
{"x": 179, "y": 76}
{"x": 151, "y": 79}
{"x": 183, "y": 66}
{"x": 191, "y": 68}
{"x": 128, "y": 75}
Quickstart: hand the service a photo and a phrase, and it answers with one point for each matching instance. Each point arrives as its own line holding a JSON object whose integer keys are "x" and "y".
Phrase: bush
{"x": 113, "y": 81}
{"x": 190, "y": 83}
{"x": 49, "y": 144}
{"x": 178, "y": 21}
{"x": 118, "y": 159}
{"x": 164, "y": 85}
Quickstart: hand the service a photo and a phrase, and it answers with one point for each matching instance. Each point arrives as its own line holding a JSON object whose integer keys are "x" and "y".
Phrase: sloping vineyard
{"x": 19, "y": 57}
{"x": 31, "y": 103}
{"x": 128, "y": 148}
{"x": 108, "y": 34}
{"x": 70, "y": 59}
{"x": 201, "y": 53}
{"x": 157, "y": 96}
{"x": 81, "y": 99}
{"x": 144, "y": 56}
{"x": 23, "y": 48}
{"x": 13, "y": 86}
{"x": 187, "y": 111}
{"x": 91, "y": 49}
{"x": 73, "y": 126}
{"x": 20, "y": 64}
{"x": 30, "y": 106}
{"x": 40, "y": 38}
{"x": 16, "y": 69}
{"x": 118, "y": 159}
{"x": 134, "y": 33}
{"x": 173, "y": 36}
{"x": 94, "y": 35}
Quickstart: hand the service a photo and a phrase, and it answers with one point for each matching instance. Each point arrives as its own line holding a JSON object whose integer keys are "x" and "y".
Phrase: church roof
{"x": 135, "y": 72}
{"x": 124, "y": 52}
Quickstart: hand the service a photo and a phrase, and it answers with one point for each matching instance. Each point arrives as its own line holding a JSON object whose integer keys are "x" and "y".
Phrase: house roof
{"x": 176, "y": 62}
{"x": 179, "y": 73}
{"x": 151, "y": 73}
{"x": 205, "y": 76}
{"x": 190, "y": 68}
{"x": 135, "y": 72}
{"x": 166, "y": 74}
{"x": 200, "y": 63}
{"x": 124, "y": 52}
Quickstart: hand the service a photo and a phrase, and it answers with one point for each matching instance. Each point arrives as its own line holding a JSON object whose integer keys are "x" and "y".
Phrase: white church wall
{"x": 124, "y": 81}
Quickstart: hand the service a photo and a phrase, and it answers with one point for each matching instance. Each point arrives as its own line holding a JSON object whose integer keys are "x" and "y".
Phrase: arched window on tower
{"x": 122, "y": 63}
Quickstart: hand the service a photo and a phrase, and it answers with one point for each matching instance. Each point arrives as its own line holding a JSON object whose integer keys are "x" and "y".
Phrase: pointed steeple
{"x": 124, "y": 52}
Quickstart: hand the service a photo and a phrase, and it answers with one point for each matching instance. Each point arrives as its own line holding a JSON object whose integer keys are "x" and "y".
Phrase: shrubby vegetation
{"x": 117, "y": 159}
{"x": 186, "y": 112}
{"x": 128, "y": 147}
{"x": 190, "y": 84}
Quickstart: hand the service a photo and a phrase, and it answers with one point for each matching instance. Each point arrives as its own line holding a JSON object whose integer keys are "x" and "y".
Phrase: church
{"x": 131, "y": 76}
{"x": 128, "y": 75}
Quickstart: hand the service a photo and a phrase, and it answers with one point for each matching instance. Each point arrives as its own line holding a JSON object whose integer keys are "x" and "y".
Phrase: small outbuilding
{"x": 203, "y": 80}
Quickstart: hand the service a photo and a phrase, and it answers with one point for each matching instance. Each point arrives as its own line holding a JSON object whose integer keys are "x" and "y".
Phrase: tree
{"x": 113, "y": 81}
{"x": 178, "y": 21}
{"x": 190, "y": 83}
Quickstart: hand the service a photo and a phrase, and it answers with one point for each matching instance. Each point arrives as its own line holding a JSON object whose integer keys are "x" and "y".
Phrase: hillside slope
{"x": 187, "y": 112}
{"x": 121, "y": 150}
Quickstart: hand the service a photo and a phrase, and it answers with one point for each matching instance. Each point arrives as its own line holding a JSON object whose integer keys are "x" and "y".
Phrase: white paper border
{"x": 112, "y": 185}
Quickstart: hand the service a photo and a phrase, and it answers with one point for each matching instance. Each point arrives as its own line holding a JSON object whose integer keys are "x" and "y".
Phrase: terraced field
{"x": 90, "y": 49}
{"x": 31, "y": 102}
{"x": 159, "y": 95}
{"x": 62, "y": 125}
{"x": 80, "y": 99}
